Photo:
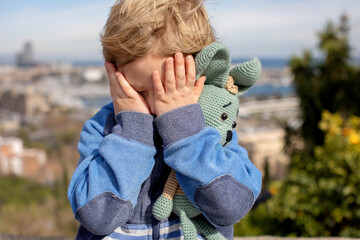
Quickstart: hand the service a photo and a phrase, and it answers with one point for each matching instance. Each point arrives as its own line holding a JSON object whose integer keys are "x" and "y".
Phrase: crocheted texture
{"x": 170, "y": 186}
{"x": 214, "y": 63}
{"x": 186, "y": 210}
{"x": 209, "y": 232}
{"x": 162, "y": 208}
{"x": 164, "y": 204}
{"x": 230, "y": 86}
{"x": 179, "y": 191}
{"x": 188, "y": 227}
{"x": 220, "y": 109}
{"x": 219, "y": 102}
{"x": 246, "y": 74}
{"x": 183, "y": 204}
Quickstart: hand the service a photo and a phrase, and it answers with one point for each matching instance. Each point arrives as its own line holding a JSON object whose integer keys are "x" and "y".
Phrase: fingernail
{"x": 178, "y": 55}
{"x": 189, "y": 57}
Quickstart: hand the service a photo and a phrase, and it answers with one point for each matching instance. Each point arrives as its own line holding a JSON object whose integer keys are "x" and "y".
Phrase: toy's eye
{"x": 234, "y": 125}
{"x": 224, "y": 116}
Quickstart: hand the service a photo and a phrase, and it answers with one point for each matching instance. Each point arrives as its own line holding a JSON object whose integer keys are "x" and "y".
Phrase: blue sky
{"x": 69, "y": 30}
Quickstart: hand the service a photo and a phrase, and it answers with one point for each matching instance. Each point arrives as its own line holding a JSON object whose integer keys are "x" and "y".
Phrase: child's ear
{"x": 213, "y": 61}
{"x": 246, "y": 74}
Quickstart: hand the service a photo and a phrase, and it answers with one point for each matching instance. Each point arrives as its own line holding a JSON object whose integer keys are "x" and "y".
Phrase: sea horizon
{"x": 266, "y": 62}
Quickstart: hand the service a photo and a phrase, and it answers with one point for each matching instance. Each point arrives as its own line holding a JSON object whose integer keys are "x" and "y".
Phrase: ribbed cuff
{"x": 136, "y": 126}
{"x": 180, "y": 123}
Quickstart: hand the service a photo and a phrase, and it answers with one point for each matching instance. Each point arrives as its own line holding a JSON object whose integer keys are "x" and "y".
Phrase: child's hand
{"x": 179, "y": 87}
{"x": 124, "y": 96}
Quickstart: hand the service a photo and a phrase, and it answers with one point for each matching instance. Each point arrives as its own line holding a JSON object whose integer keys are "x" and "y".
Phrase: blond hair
{"x": 136, "y": 28}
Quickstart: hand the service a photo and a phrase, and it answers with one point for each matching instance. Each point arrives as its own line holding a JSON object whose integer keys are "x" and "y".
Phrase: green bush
{"x": 320, "y": 196}
{"x": 42, "y": 209}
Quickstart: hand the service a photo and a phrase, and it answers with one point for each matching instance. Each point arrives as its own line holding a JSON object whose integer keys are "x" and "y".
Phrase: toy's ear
{"x": 246, "y": 74}
{"x": 213, "y": 61}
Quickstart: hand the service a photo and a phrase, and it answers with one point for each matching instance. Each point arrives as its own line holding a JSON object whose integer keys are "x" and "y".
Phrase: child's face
{"x": 139, "y": 74}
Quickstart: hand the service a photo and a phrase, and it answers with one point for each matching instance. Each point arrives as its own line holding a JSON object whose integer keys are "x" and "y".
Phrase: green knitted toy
{"x": 219, "y": 102}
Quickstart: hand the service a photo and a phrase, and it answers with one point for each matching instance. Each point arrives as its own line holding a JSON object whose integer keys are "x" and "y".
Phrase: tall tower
{"x": 28, "y": 53}
{"x": 26, "y": 57}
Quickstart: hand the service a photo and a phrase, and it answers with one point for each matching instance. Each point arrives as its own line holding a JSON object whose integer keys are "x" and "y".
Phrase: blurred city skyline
{"x": 69, "y": 30}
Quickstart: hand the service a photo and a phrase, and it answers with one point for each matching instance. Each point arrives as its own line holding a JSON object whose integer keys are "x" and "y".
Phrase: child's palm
{"x": 125, "y": 97}
{"x": 179, "y": 88}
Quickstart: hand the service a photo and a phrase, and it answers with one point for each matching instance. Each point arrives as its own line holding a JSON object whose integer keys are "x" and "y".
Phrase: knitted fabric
{"x": 179, "y": 191}
{"x": 164, "y": 204}
{"x": 220, "y": 104}
{"x": 230, "y": 86}
{"x": 206, "y": 229}
{"x": 246, "y": 74}
{"x": 213, "y": 62}
{"x": 212, "y": 101}
{"x": 162, "y": 208}
{"x": 170, "y": 186}
{"x": 186, "y": 210}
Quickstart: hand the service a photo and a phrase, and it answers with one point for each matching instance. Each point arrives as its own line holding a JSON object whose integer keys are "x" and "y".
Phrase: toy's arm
{"x": 164, "y": 204}
{"x": 170, "y": 186}
{"x": 221, "y": 181}
{"x": 106, "y": 183}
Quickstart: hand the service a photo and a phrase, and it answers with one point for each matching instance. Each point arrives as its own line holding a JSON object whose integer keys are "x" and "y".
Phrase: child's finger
{"x": 169, "y": 84}
{"x": 158, "y": 86}
{"x": 199, "y": 86}
{"x": 190, "y": 71}
{"x": 124, "y": 85}
{"x": 110, "y": 70}
{"x": 180, "y": 70}
{"x": 113, "y": 82}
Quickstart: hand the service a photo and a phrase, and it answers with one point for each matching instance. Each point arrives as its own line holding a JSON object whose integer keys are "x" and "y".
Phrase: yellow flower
{"x": 354, "y": 138}
{"x": 273, "y": 190}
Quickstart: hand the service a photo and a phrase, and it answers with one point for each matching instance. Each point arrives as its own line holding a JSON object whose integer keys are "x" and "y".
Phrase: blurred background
{"x": 300, "y": 123}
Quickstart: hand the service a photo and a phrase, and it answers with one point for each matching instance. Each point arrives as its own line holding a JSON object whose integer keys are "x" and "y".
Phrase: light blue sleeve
{"x": 221, "y": 181}
{"x": 106, "y": 183}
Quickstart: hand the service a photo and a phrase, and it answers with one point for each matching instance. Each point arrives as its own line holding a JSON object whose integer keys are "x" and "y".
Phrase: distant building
{"x": 261, "y": 132}
{"x": 24, "y": 162}
{"x": 10, "y": 121}
{"x": 267, "y": 146}
{"x": 93, "y": 75}
{"x": 27, "y": 102}
{"x": 26, "y": 57}
{"x": 283, "y": 108}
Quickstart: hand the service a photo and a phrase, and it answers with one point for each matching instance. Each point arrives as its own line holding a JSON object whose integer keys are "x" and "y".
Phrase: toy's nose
{"x": 229, "y": 136}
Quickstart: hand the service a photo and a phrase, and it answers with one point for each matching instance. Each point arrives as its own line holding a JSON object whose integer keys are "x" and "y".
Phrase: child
{"x": 153, "y": 125}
